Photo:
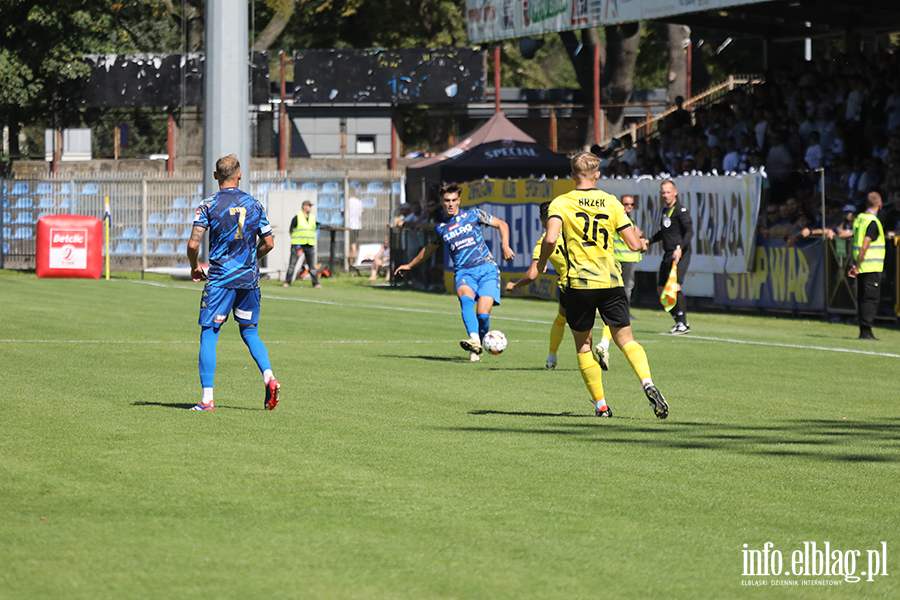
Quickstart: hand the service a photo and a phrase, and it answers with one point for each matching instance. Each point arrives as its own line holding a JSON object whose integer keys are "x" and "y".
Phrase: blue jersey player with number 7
{"x": 239, "y": 235}
{"x": 475, "y": 272}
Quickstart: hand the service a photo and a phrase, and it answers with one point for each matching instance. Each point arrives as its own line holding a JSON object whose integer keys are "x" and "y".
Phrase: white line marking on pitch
{"x": 800, "y": 346}
{"x": 237, "y": 342}
{"x": 373, "y": 306}
{"x": 501, "y": 318}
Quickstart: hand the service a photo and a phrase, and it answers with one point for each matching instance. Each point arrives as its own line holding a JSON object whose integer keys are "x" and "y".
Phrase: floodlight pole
{"x": 226, "y": 86}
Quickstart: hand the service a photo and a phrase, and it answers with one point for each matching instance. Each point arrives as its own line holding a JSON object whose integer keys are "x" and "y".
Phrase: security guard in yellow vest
{"x": 868, "y": 263}
{"x": 626, "y": 257}
{"x": 303, "y": 241}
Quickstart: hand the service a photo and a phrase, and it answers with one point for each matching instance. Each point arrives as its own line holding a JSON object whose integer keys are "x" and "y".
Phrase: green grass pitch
{"x": 394, "y": 468}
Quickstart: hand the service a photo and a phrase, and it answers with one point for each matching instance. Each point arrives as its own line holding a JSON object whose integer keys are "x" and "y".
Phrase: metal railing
{"x": 151, "y": 214}
{"x": 708, "y": 96}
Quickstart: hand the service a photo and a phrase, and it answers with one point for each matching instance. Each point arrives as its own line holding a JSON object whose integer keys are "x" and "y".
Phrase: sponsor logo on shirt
{"x": 463, "y": 230}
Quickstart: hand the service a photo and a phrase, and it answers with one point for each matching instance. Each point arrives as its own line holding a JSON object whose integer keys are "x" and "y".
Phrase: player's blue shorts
{"x": 217, "y": 302}
{"x": 483, "y": 279}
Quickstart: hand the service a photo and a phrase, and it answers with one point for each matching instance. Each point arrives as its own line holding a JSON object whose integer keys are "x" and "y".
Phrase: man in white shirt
{"x": 814, "y": 155}
{"x": 779, "y": 161}
{"x": 853, "y": 109}
{"x": 762, "y": 122}
{"x": 629, "y": 152}
{"x": 354, "y": 225}
{"x": 732, "y": 157}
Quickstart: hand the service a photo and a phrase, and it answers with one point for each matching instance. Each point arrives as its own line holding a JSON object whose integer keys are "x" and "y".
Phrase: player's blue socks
{"x": 484, "y": 324}
{"x": 467, "y": 306}
{"x": 209, "y": 337}
{"x": 258, "y": 351}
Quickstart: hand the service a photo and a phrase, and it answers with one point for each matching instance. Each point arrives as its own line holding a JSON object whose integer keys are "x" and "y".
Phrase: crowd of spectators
{"x": 841, "y": 114}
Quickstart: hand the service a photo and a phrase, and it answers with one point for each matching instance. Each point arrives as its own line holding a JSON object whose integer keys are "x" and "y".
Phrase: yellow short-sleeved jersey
{"x": 557, "y": 259}
{"x": 590, "y": 220}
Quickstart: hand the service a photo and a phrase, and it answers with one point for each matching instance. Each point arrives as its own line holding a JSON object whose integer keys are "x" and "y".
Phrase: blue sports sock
{"x": 209, "y": 337}
{"x": 258, "y": 351}
{"x": 484, "y": 324}
{"x": 467, "y": 306}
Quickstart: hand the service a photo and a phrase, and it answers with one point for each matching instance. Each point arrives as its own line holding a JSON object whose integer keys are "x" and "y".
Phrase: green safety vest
{"x": 622, "y": 251}
{"x": 873, "y": 262}
{"x": 305, "y": 233}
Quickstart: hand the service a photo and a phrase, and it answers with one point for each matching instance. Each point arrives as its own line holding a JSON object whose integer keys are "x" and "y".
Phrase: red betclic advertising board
{"x": 69, "y": 246}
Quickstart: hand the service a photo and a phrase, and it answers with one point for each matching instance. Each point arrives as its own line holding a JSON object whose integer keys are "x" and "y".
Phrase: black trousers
{"x": 868, "y": 295}
{"x": 309, "y": 257}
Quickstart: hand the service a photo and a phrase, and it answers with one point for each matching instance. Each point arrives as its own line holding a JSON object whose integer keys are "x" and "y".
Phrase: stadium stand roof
{"x": 789, "y": 20}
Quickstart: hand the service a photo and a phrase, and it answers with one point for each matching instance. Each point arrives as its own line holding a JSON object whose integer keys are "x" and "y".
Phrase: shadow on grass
{"x": 183, "y": 406}
{"x": 429, "y": 358}
{"x": 558, "y": 370}
{"x": 526, "y": 414}
{"x": 826, "y": 440}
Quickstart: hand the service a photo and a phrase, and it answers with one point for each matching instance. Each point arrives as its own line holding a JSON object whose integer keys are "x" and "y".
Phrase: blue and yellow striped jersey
{"x": 234, "y": 220}
{"x": 464, "y": 239}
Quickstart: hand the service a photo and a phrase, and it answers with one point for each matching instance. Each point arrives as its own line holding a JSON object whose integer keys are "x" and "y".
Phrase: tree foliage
{"x": 320, "y": 24}
{"x": 44, "y": 45}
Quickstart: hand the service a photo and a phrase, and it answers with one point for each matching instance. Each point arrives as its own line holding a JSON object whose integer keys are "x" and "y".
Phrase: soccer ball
{"x": 494, "y": 342}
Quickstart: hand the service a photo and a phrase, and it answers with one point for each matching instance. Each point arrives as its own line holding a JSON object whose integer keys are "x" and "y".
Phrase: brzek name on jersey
{"x": 592, "y": 202}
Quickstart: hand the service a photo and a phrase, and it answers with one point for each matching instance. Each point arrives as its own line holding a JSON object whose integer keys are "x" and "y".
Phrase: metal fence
{"x": 151, "y": 214}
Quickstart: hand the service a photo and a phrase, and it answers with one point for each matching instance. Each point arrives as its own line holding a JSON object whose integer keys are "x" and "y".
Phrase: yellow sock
{"x": 637, "y": 358}
{"x": 591, "y": 373}
{"x": 607, "y": 334}
{"x": 557, "y": 330}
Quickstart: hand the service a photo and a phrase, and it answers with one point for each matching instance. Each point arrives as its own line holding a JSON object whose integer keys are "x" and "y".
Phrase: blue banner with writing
{"x": 783, "y": 277}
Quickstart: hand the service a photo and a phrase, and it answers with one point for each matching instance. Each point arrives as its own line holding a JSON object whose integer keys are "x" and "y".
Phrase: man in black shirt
{"x": 675, "y": 234}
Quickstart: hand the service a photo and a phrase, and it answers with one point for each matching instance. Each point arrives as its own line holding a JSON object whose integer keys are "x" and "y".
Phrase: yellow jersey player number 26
{"x": 586, "y": 219}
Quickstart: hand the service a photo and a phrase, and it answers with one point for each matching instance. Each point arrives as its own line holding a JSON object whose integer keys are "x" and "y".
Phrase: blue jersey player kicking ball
{"x": 239, "y": 235}
{"x": 476, "y": 274}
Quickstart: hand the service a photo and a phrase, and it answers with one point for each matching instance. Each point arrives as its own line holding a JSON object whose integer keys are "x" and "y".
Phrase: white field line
{"x": 799, "y": 346}
{"x": 300, "y": 342}
{"x": 434, "y": 312}
{"x": 372, "y": 306}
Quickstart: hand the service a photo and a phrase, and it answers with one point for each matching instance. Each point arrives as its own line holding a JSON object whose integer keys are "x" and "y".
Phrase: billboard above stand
{"x": 502, "y": 19}
{"x": 144, "y": 80}
{"x": 406, "y": 76}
